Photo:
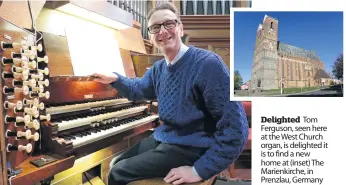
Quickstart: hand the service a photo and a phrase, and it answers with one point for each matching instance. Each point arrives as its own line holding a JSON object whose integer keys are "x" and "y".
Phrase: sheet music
{"x": 93, "y": 48}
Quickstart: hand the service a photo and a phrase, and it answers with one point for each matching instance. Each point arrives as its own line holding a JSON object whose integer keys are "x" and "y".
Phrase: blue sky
{"x": 318, "y": 31}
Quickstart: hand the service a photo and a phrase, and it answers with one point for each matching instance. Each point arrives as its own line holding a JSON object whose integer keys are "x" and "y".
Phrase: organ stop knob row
{"x": 5, "y": 46}
{"x": 27, "y": 78}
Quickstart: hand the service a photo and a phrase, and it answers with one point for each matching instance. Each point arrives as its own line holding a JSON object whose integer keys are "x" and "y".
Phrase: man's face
{"x": 166, "y": 39}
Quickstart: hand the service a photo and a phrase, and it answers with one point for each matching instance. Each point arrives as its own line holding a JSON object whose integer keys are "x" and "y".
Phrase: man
{"x": 203, "y": 132}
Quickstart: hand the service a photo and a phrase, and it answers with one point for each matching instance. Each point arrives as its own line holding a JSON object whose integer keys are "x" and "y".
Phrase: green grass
{"x": 291, "y": 90}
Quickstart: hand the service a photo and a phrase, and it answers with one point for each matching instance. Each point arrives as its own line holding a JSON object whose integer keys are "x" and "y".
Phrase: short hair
{"x": 164, "y": 6}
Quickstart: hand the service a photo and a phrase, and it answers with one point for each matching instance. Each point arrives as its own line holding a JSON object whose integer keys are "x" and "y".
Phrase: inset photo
{"x": 288, "y": 54}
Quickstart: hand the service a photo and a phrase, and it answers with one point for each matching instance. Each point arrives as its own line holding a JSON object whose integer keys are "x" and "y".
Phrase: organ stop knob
{"x": 27, "y": 148}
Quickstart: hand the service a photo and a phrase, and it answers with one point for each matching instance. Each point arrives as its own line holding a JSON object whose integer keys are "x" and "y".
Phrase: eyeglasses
{"x": 167, "y": 25}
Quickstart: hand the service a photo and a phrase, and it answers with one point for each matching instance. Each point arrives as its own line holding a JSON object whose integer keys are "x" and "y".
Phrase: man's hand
{"x": 183, "y": 174}
{"x": 105, "y": 78}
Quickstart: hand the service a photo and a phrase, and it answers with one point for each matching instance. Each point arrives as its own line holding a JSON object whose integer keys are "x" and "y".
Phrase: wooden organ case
{"x": 61, "y": 117}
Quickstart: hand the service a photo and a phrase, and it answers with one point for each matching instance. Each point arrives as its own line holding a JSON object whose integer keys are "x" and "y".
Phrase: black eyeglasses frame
{"x": 176, "y": 22}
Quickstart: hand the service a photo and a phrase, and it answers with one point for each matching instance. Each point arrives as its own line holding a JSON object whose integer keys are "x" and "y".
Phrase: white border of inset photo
{"x": 279, "y": 5}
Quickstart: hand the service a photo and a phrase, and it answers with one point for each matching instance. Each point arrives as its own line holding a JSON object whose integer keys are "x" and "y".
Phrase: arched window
{"x": 271, "y": 25}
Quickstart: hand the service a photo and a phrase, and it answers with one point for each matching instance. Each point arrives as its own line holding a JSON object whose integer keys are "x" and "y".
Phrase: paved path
{"x": 319, "y": 93}
{"x": 334, "y": 91}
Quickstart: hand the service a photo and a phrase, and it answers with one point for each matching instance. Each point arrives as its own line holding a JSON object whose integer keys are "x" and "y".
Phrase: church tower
{"x": 263, "y": 75}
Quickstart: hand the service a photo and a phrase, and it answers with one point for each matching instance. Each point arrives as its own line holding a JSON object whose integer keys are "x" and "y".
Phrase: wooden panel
{"x": 70, "y": 180}
{"x": 208, "y": 39}
{"x": 177, "y": 5}
{"x": 148, "y": 46}
{"x": 105, "y": 175}
{"x": 55, "y": 22}
{"x": 136, "y": 24}
{"x": 127, "y": 62}
{"x": 94, "y": 181}
{"x": 58, "y": 54}
{"x": 209, "y": 32}
{"x": 14, "y": 158}
{"x": 248, "y": 107}
{"x": 1, "y": 169}
{"x": 214, "y": 22}
{"x": 241, "y": 4}
{"x": 249, "y": 140}
{"x": 224, "y": 54}
{"x": 17, "y": 12}
{"x": 87, "y": 162}
{"x": 135, "y": 139}
{"x": 222, "y": 50}
{"x": 102, "y": 8}
{"x": 67, "y": 89}
{"x": 143, "y": 62}
{"x": 131, "y": 39}
{"x": 32, "y": 174}
{"x": 102, "y": 157}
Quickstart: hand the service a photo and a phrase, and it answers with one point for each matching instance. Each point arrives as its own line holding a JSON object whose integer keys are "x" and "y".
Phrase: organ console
{"x": 65, "y": 117}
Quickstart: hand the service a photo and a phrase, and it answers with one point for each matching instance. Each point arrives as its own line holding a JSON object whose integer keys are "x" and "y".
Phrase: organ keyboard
{"x": 106, "y": 129}
{"x": 76, "y": 124}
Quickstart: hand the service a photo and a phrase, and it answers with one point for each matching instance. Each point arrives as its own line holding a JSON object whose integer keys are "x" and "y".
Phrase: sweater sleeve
{"x": 231, "y": 123}
{"x": 136, "y": 89}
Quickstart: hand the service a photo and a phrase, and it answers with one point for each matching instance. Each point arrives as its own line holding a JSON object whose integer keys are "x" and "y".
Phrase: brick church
{"x": 276, "y": 63}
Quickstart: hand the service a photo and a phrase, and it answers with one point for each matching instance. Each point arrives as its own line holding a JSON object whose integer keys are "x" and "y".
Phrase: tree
{"x": 331, "y": 83}
{"x": 338, "y": 67}
{"x": 238, "y": 81}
